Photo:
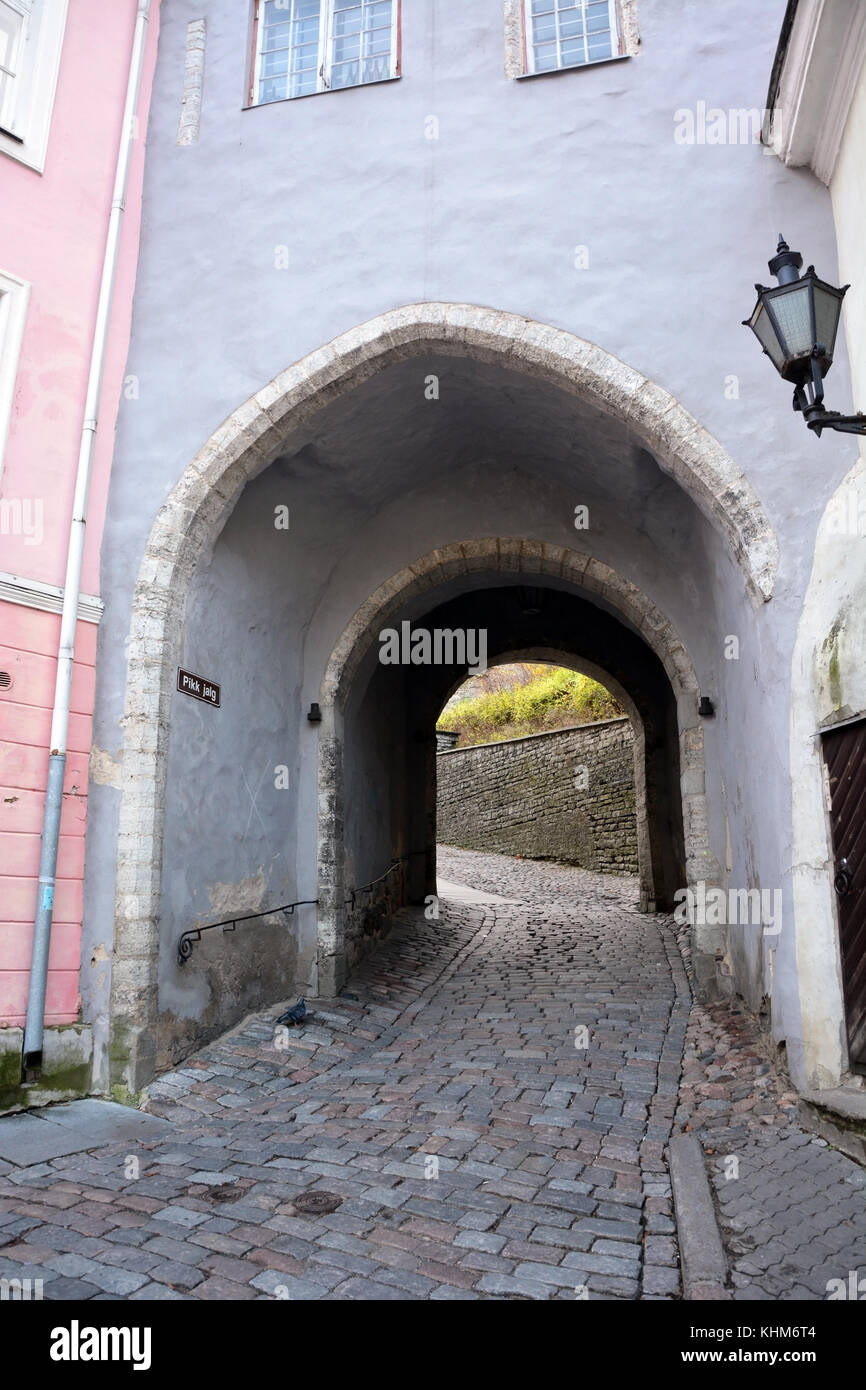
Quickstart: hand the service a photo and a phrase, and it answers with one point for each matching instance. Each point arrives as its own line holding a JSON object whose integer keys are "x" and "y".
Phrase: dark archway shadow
{"x": 389, "y": 745}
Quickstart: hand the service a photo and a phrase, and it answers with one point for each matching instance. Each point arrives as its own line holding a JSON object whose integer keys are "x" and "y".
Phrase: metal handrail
{"x": 188, "y": 939}
{"x": 365, "y": 888}
{"x": 193, "y": 934}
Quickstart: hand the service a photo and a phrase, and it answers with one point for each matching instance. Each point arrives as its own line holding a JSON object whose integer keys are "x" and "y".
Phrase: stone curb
{"x": 703, "y": 1262}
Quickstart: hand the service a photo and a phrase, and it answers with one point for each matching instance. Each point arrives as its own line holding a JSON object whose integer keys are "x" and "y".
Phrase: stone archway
{"x": 195, "y": 511}
{"x": 497, "y": 554}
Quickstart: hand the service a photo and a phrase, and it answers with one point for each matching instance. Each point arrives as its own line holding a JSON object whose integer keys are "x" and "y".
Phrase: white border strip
{"x": 32, "y": 593}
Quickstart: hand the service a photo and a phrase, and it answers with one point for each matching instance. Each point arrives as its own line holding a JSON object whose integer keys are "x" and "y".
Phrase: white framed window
{"x": 14, "y": 294}
{"x": 13, "y": 14}
{"x": 570, "y": 33}
{"x": 31, "y": 37}
{"x": 307, "y": 46}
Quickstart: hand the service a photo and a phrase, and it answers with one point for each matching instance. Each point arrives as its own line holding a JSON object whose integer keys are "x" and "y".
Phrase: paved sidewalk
{"x": 480, "y": 1142}
{"x": 792, "y": 1210}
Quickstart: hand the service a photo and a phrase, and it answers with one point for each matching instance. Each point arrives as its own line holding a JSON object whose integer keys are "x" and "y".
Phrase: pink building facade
{"x": 64, "y": 73}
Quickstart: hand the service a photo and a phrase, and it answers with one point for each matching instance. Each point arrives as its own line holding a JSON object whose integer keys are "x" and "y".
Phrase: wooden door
{"x": 845, "y": 756}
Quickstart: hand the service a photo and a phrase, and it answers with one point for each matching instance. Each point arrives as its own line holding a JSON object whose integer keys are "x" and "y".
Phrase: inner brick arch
{"x": 511, "y": 555}
{"x": 249, "y": 440}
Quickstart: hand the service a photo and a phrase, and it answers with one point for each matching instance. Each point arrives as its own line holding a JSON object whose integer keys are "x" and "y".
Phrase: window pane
{"x": 378, "y": 42}
{"x": 599, "y": 46}
{"x": 545, "y": 57}
{"x": 543, "y": 29}
{"x": 542, "y": 6}
{"x": 345, "y": 75}
{"x": 273, "y": 89}
{"x": 573, "y": 52}
{"x": 10, "y": 32}
{"x": 377, "y": 69}
{"x": 273, "y": 64}
{"x": 277, "y": 36}
{"x": 347, "y": 49}
{"x": 571, "y": 28}
{"x": 304, "y": 58}
{"x": 379, "y": 13}
{"x": 347, "y": 22}
{"x": 303, "y": 83}
{"x": 597, "y": 24}
{"x": 275, "y": 17}
{"x": 305, "y": 31}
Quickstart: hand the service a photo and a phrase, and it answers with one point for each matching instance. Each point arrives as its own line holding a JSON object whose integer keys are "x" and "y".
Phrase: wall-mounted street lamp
{"x": 796, "y": 324}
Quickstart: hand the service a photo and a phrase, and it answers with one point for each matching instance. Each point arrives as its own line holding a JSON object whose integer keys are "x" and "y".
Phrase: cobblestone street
{"x": 481, "y": 1143}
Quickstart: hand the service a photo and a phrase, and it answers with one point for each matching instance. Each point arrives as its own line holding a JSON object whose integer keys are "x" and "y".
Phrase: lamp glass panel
{"x": 764, "y": 330}
{"x": 793, "y": 314}
{"x": 828, "y": 303}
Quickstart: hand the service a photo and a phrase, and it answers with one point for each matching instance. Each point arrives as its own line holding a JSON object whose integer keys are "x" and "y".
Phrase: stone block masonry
{"x": 567, "y": 795}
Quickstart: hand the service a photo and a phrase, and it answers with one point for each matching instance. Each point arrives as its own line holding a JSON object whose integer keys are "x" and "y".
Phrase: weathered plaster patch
{"x": 828, "y": 672}
{"x": 105, "y": 771}
{"x": 246, "y": 896}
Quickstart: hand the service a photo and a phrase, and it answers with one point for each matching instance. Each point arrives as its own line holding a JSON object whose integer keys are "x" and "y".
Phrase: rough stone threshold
{"x": 839, "y": 1116}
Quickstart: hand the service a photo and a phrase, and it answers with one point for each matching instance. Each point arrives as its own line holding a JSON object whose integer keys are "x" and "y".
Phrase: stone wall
{"x": 566, "y": 795}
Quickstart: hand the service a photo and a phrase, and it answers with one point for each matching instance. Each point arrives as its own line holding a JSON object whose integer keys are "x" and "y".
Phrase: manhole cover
{"x": 317, "y": 1203}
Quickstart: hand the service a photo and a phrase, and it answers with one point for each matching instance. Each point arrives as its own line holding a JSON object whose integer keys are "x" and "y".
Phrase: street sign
{"x": 198, "y": 687}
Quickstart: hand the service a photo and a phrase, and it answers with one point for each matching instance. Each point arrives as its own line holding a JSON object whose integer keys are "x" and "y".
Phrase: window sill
{"x": 326, "y": 92}
{"x": 14, "y": 147}
{"x": 574, "y": 67}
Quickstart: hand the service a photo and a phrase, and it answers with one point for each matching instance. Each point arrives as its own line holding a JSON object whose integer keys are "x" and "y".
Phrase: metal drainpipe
{"x": 33, "y": 1028}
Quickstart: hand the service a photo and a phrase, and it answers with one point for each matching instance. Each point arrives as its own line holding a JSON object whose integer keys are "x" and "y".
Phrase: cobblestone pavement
{"x": 454, "y": 1051}
{"x": 792, "y": 1210}
{"x": 477, "y": 1151}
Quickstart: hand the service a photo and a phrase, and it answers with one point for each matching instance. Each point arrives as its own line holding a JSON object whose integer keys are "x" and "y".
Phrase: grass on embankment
{"x": 553, "y": 699}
